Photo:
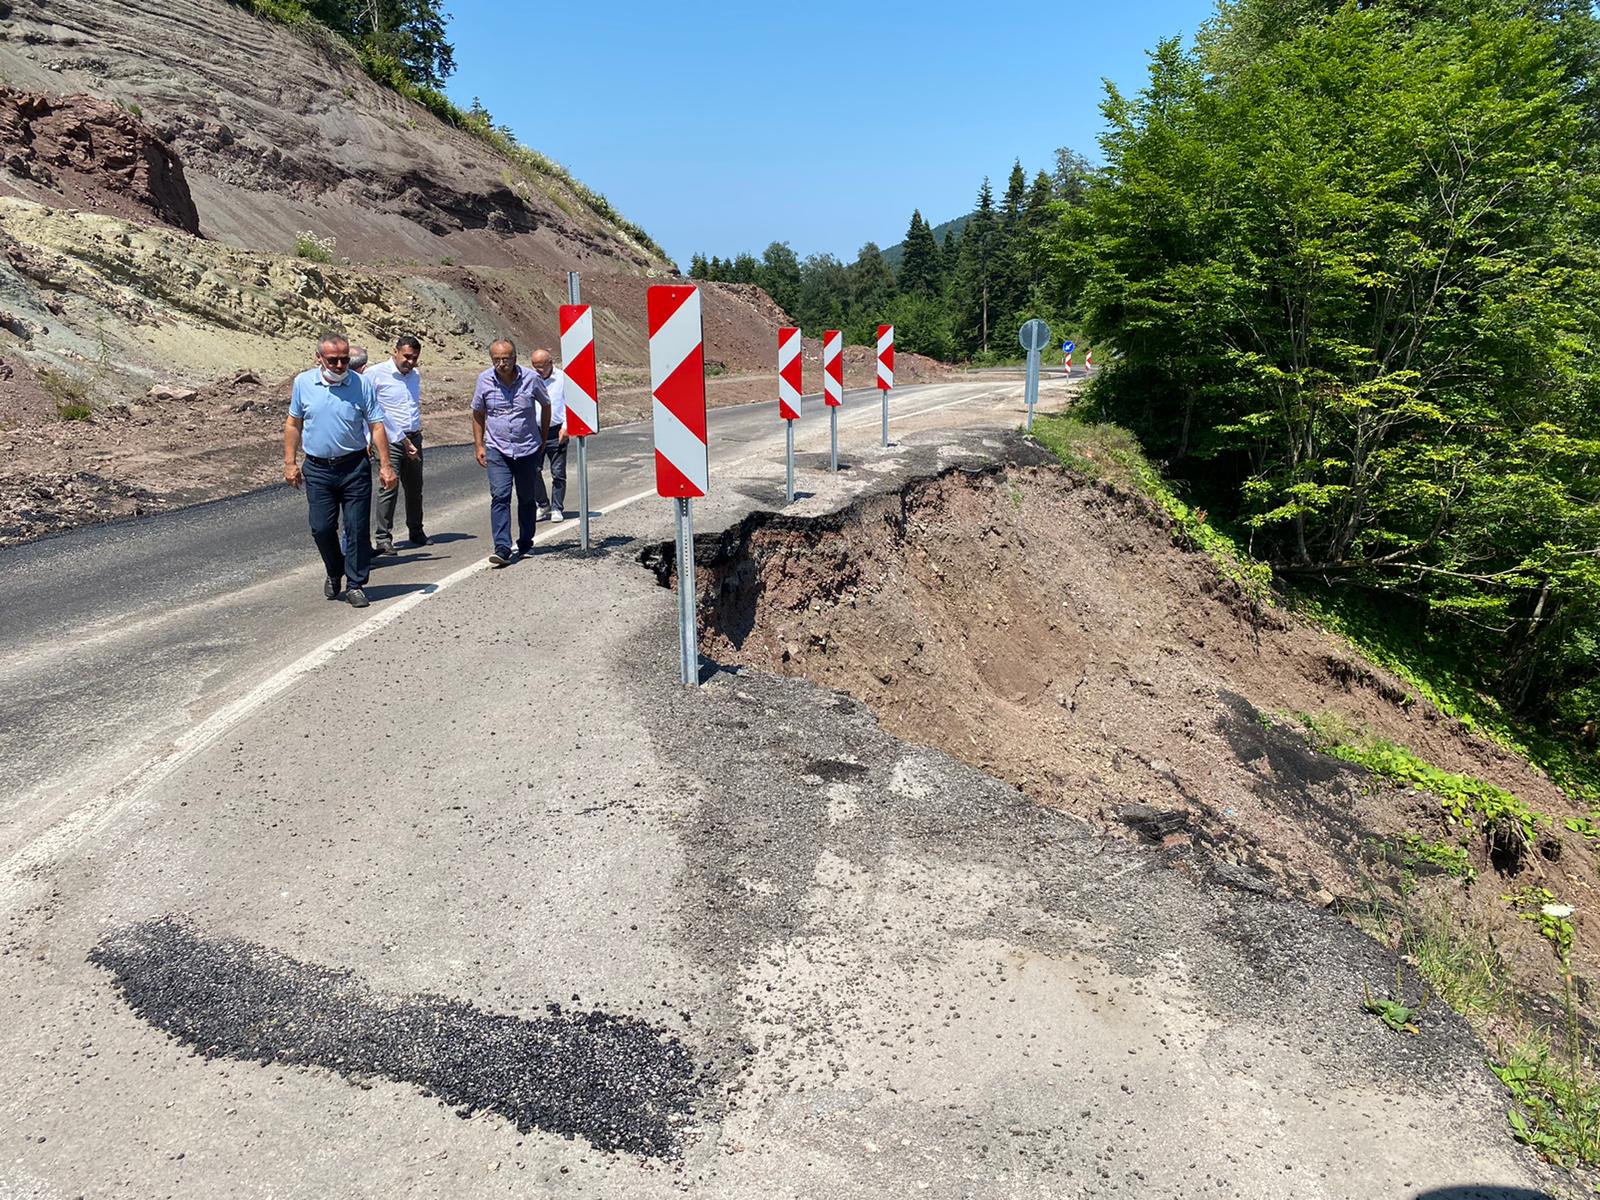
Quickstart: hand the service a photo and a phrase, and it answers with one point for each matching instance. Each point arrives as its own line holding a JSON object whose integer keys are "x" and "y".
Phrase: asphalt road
{"x": 118, "y": 638}
{"x": 469, "y": 898}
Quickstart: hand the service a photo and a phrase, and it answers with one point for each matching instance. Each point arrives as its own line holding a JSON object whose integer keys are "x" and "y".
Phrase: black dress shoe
{"x": 330, "y": 589}
{"x": 419, "y": 539}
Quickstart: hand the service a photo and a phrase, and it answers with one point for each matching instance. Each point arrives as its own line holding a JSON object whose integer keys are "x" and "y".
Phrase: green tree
{"x": 1348, "y": 258}
{"x": 743, "y": 268}
{"x": 1072, "y": 176}
{"x": 779, "y": 274}
{"x": 975, "y": 275}
{"x": 871, "y": 288}
{"x": 823, "y": 295}
{"x": 920, "y": 268}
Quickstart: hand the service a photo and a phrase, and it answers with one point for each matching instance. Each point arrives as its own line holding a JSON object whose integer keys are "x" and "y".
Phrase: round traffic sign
{"x": 1034, "y": 335}
{"x": 1069, "y": 346}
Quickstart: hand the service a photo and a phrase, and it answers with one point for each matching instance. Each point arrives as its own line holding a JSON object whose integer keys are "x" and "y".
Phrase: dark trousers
{"x": 344, "y": 488}
{"x": 504, "y": 472}
{"x": 409, "y": 471}
{"x": 555, "y": 453}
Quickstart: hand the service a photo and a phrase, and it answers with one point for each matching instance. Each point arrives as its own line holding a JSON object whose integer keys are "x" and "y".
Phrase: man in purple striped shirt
{"x": 510, "y": 425}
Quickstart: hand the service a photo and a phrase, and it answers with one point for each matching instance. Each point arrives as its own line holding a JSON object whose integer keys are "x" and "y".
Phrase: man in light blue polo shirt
{"x": 510, "y": 425}
{"x": 331, "y": 412}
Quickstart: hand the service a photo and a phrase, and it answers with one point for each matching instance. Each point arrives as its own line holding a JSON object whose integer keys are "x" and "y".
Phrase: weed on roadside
{"x": 68, "y": 393}
{"x": 312, "y": 248}
{"x": 1468, "y": 802}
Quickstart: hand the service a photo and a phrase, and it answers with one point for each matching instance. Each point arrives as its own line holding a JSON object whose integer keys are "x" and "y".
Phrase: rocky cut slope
{"x": 279, "y": 131}
{"x": 144, "y": 146}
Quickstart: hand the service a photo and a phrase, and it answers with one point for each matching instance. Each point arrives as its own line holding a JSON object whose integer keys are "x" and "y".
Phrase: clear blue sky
{"x": 721, "y": 127}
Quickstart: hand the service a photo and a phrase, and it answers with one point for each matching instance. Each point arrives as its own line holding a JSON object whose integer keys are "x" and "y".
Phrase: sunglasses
{"x": 335, "y": 359}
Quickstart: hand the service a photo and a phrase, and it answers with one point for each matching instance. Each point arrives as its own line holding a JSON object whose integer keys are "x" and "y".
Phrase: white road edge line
{"x": 133, "y": 786}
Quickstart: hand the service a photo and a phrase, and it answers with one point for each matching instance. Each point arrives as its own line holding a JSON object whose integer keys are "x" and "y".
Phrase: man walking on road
{"x": 510, "y": 425}
{"x": 555, "y": 447}
{"x": 398, "y": 389}
{"x": 331, "y": 412}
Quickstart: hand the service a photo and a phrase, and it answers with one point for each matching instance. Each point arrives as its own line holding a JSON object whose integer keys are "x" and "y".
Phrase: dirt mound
{"x": 86, "y": 153}
{"x": 1047, "y": 630}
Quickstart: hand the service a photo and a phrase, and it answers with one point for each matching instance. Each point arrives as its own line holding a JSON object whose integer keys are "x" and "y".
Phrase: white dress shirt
{"x": 401, "y": 398}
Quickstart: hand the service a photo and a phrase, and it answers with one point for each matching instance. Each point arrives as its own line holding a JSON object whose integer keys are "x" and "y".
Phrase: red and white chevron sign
{"x": 789, "y": 367}
{"x": 577, "y": 364}
{"x": 832, "y": 368}
{"x": 678, "y": 390}
{"x": 885, "y": 357}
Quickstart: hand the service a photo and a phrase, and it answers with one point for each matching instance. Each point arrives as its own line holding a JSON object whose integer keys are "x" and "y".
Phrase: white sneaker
{"x": 557, "y": 515}
{"x": 542, "y": 513}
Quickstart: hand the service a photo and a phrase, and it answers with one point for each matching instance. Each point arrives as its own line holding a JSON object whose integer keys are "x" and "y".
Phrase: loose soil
{"x": 1048, "y": 630}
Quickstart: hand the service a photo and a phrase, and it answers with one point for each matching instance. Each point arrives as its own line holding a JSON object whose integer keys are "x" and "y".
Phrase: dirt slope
{"x": 1048, "y": 631}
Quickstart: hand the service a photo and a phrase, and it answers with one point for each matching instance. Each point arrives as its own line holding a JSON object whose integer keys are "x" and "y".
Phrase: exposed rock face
{"x": 92, "y": 155}
{"x": 279, "y": 130}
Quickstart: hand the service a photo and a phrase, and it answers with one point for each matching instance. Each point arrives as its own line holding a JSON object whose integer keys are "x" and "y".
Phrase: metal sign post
{"x": 833, "y": 388}
{"x": 1034, "y": 336}
{"x": 885, "y": 372}
{"x": 688, "y": 650}
{"x": 583, "y": 439}
{"x": 678, "y": 405}
{"x": 788, "y": 462}
{"x": 790, "y": 382}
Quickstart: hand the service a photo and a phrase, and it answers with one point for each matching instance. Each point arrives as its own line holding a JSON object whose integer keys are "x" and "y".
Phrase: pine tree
{"x": 975, "y": 279}
{"x": 1073, "y": 173}
{"x": 698, "y": 267}
{"x": 871, "y": 289}
{"x": 1010, "y": 275}
{"x": 919, "y": 269}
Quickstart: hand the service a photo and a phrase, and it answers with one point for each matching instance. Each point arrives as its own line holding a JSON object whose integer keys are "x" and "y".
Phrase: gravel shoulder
{"x": 888, "y": 972}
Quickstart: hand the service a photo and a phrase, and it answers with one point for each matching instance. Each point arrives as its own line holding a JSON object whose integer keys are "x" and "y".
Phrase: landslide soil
{"x": 1048, "y": 630}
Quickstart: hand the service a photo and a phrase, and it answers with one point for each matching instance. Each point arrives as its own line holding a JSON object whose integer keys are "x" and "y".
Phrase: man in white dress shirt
{"x": 555, "y": 448}
{"x": 398, "y": 389}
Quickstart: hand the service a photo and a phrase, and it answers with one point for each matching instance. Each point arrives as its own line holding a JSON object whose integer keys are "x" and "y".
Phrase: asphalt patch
{"x": 620, "y": 1083}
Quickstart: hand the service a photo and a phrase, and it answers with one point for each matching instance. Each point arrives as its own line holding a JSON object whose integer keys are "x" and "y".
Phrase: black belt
{"x": 342, "y": 461}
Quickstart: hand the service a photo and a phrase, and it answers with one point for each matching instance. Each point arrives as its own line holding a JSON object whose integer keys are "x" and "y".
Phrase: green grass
{"x": 1446, "y": 857}
{"x": 1430, "y": 662}
{"x": 1111, "y": 453}
{"x": 1466, "y": 800}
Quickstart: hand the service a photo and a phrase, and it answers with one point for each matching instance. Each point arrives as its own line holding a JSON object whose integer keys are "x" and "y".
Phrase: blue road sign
{"x": 1069, "y": 347}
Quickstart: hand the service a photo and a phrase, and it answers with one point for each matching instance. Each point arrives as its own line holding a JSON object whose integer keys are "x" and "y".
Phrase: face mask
{"x": 333, "y": 378}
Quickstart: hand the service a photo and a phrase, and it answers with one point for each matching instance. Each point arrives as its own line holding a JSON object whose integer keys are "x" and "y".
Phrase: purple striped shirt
{"x": 511, "y": 411}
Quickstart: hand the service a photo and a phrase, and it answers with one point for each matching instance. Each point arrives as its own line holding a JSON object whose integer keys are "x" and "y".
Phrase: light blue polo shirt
{"x": 336, "y": 418}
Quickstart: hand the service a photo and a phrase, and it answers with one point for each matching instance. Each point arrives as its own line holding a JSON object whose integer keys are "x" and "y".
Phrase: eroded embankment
{"x": 1048, "y": 630}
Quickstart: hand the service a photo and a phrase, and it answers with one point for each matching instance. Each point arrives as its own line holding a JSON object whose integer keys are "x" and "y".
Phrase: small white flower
{"x": 1557, "y": 910}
